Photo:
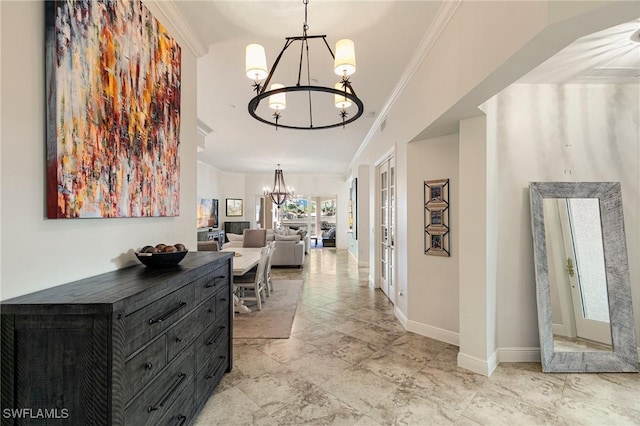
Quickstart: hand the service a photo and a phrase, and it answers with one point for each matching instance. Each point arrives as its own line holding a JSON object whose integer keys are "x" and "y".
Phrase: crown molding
{"x": 443, "y": 15}
{"x": 173, "y": 15}
{"x": 202, "y": 128}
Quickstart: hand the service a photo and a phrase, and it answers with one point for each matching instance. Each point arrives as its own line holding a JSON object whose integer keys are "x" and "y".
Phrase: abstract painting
{"x": 113, "y": 111}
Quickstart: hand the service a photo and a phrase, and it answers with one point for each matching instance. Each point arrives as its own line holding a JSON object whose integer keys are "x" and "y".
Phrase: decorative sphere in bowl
{"x": 152, "y": 257}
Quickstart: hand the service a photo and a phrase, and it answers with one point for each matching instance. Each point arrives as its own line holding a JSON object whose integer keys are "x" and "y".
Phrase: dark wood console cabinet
{"x": 235, "y": 228}
{"x": 136, "y": 346}
{"x": 212, "y": 235}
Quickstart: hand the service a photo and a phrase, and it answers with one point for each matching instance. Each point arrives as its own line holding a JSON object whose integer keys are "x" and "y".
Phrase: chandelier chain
{"x": 305, "y": 26}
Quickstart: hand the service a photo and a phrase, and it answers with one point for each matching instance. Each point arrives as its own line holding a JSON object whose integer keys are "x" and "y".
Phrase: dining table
{"x": 244, "y": 259}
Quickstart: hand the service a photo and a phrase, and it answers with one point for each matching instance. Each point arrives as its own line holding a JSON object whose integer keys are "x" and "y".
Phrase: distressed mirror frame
{"x": 624, "y": 357}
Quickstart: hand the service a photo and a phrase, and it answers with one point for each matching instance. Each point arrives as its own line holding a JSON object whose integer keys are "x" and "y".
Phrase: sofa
{"x": 289, "y": 250}
{"x": 304, "y": 237}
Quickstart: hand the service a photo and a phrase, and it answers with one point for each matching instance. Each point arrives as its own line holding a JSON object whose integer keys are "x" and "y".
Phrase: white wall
{"x": 214, "y": 183}
{"x": 432, "y": 286}
{"x": 478, "y": 246}
{"x": 248, "y": 186}
{"x": 568, "y": 133}
{"x": 470, "y": 56}
{"x": 361, "y": 245}
{"x": 310, "y": 186}
{"x": 351, "y": 237}
{"x": 36, "y": 252}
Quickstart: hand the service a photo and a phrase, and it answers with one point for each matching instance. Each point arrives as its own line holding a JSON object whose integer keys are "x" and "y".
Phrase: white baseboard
{"x": 561, "y": 330}
{"x": 519, "y": 354}
{"x": 433, "y": 332}
{"x": 401, "y": 317}
{"x": 427, "y": 330}
{"x": 372, "y": 282}
{"x": 478, "y": 365}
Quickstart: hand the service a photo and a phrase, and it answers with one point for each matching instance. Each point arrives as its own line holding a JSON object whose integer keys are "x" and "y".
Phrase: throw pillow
{"x": 234, "y": 237}
{"x": 292, "y": 232}
{"x": 287, "y": 237}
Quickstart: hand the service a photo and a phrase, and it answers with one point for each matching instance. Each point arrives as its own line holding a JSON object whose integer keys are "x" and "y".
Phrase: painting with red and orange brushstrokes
{"x": 113, "y": 111}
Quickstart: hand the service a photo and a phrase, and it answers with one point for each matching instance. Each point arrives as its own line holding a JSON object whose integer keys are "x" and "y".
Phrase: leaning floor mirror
{"x": 585, "y": 316}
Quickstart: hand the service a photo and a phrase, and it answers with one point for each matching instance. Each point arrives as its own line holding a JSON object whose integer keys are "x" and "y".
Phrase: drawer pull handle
{"x": 181, "y": 419}
{"x": 218, "y": 334}
{"x": 168, "y": 394}
{"x": 167, "y": 314}
{"x": 148, "y": 366}
{"x": 178, "y": 339}
{"x": 210, "y": 311}
{"x": 215, "y": 373}
{"x": 223, "y": 300}
{"x": 209, "y": 285}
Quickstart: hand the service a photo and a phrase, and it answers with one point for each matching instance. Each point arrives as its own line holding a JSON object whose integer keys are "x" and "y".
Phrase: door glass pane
{"x": 383, "y": 261}
{"x": 294, "y": 212}
{"x": 390, "y": 268}
{"x": 586, "y": 230}
{"x": 312, "y": 218}
{"x": 383, "y": 180}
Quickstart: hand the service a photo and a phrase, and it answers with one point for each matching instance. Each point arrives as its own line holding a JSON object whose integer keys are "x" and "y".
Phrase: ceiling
{"x": 386, "y": 35}
{"x": 608, "y": 56}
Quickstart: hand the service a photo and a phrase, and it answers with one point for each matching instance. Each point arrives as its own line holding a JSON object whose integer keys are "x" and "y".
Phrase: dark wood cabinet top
{"x": 108, "y": 292}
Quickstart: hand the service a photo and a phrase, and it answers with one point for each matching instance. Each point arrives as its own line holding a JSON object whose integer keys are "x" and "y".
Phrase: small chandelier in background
{"x": 344, "y": 95}
{"x": 279, "y": 193}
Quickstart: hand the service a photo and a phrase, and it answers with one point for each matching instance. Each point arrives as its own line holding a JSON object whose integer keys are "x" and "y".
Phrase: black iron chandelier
{"x": 279, "y": 193}
{"x": 344, "y": 95}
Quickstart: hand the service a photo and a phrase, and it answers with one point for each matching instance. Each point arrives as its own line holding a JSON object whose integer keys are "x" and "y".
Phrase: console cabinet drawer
{"x": 181, "y": 336}
{"x": 209, "y": 342}
{"x": 213, "y": 370}
{"x": 148, "y": 322}
{"x": 207, "y": 314}
{"x": 213, "y": 283}
{"x": 223, "y": 304}
{"x": 143, "y": 367}
{"x": 153, "y": 402}
{"x": 182, "y": 412}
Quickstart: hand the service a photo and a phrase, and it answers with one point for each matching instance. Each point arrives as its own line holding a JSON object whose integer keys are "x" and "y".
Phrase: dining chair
{"x": 254, "y": 282}
{"x": 267, "y": 269}
{"x": 254, "y": 238}
{"x": 211, "y": 245}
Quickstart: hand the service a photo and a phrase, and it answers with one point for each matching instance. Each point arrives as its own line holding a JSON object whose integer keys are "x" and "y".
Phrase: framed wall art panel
{"x": 113, "y": 111}
{"x": 234, "y": 207}
{"x": 436, "y": 217}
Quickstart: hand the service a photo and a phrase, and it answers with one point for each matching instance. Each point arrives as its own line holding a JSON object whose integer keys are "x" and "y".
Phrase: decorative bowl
{"x": 161, "y": 260}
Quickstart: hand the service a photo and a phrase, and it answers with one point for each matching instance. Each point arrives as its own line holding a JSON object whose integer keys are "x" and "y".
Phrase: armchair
{"x": 329, "y": 238}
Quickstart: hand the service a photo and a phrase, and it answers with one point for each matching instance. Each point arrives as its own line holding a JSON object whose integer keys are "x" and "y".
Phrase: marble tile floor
{"x": 350, "y": 362}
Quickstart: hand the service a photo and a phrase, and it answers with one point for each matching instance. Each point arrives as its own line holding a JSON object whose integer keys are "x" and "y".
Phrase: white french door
{"x": 387, "y": 193}
{"x": 581, "y": 231}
